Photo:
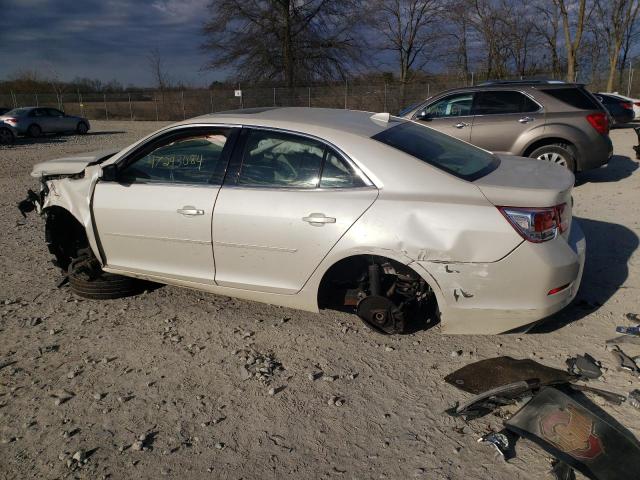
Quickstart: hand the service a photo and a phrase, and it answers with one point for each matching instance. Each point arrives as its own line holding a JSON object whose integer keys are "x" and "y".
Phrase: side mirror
{"x": 110, "y": 173}
{"x": 423, "y": 115}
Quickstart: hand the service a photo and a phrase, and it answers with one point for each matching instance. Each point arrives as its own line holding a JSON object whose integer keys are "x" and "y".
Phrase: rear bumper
{"x": 492, "y": 298}
{"x": 594, "y": 154}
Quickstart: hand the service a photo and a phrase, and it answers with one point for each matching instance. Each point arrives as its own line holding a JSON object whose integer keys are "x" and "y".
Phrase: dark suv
{"x": 553, "y": 121}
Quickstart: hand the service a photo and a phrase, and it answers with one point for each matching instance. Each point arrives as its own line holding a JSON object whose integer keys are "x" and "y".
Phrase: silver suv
{"x": 553, "y": 121}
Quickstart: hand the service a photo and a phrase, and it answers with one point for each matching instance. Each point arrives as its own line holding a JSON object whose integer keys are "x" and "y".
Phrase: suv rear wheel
{"x": 558, "y": 153}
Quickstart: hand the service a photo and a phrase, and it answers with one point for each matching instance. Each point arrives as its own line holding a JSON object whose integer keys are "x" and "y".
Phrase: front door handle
{"x": 526, "y": 119}
{"x": 461, "y": 125}
{"x": 318, "y": 219}
{"x": 190, "y": 211}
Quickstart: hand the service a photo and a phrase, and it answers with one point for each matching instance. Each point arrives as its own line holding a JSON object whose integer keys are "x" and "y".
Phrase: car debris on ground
{"x": 555, "y": 415}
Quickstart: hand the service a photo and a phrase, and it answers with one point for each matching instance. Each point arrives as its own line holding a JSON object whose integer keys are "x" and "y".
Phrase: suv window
{"x": 456, "y": 105}
{"x": 194, "y": 159}
{"x": 576, "y": 97}
{"x": 274, "y": 159}
{"x": 440, "y": 150}
{"x": 496, "y": 102}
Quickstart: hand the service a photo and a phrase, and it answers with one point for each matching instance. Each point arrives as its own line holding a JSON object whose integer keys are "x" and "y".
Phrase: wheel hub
{"x": 381, "y": 314}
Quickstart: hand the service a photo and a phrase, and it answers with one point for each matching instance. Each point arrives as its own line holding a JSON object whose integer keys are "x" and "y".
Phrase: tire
{"x": 558, "y": 153}
{"x": 88, "y": 280}
{"x": 82, "y": 128}
{"x": 6, "y": 137}
{"x": 34, "y": 131}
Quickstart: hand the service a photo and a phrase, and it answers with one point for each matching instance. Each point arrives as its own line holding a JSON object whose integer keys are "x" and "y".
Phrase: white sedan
{"x": 320, "y": 208}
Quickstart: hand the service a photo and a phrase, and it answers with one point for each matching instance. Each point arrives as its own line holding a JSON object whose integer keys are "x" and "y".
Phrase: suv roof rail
{"x": 521, "y": 82}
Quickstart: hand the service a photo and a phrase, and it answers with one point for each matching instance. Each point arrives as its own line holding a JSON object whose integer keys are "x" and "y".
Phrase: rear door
{"x": 41, "y": 117}
{"x": 500, "y": 117}
{"x": 450, "y": 114}
{"x": 288, "y": 201}
{"x": 60, "y": 122}
{"x": 156, "y": 217}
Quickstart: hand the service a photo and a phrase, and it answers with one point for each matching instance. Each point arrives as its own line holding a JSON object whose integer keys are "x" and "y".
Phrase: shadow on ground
{"x": 609, "y": 248}
{"x": 618, "y": 168}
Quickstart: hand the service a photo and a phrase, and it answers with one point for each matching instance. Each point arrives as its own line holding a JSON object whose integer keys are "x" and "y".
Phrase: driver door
{"x": 156, "y": 217}
{"x": 451, "y": 115}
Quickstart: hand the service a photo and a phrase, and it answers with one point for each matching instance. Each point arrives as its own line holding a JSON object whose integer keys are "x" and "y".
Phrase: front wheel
{"x": 34, "y": 131}
{"x": 82, "y": 128}
{"x": 557, "y": 153}
{"x": 88, "y": 280}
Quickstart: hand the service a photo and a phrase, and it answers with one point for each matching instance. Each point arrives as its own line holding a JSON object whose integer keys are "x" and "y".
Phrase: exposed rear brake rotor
{"x": 381, "y": 314}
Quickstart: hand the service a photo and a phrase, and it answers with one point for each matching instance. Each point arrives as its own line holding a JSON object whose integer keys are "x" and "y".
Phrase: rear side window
{"x": 442, "y": 151}
{"x": 576, "y": 97}
{"x": 493, "y": 103}
{"x": 336, "y": 173}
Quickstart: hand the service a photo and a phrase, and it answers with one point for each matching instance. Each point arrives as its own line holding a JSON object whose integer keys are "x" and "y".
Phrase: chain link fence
{"x": 178, "y": 105}
{"x": 181, "y": 104}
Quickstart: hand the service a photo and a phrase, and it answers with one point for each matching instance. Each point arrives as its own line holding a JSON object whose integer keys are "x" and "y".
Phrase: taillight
{"x": 626, "y": 105}
{"x": 599, "y": 121}
{"x": 537, "y": 224}
{"x": 12, "y": 120}
{"x": 637, "y": 104}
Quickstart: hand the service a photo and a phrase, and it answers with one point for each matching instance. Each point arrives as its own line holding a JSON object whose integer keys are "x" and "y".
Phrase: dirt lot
{"x": 169, "y": 364}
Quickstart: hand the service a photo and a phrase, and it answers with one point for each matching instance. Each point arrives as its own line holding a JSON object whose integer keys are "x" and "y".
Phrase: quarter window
{"x": 489, "y": 103}
{"x": 195, "y": 159}
{"x": 336, "y": 173}
{"x": 273, "y": 159}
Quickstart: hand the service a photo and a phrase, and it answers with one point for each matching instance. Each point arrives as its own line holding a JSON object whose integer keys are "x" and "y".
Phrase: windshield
{"x": 442, "y": 151}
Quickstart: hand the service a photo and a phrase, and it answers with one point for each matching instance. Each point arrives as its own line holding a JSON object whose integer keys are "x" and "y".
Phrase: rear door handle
{"x": 318, "y": 219}
{"x": 526, "y": 119}
{"x": 461, "y": 125}
{"x": 190, "y": 211}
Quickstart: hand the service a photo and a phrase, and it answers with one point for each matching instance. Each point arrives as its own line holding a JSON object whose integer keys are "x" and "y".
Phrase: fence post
{"x": 37, "y": 104}
{"x": 211, "y": 99}
{"x": 346, "y": 92}
{"x": 274, "y": 96}
{"x": 241, "y": 97}
{"x": 59, "y": 102}
{"x": 80, "y": 103}
{"x": 385, "y": 98}
{"x": 106, "y": 110}
{"x": 184, "y": 112}
{"x": 130, "y": 107}
{"x": 309, "y": 97}
{"x": 155, "y": 102}
{"x": 428, "y": 90}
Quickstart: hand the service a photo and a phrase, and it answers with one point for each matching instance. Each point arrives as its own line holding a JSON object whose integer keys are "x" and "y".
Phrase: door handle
{"x": 461, "y": 125}
{"x": 190, "y": 211}
{"x": 526, "y": 119}
{"x": 318, "y": 219}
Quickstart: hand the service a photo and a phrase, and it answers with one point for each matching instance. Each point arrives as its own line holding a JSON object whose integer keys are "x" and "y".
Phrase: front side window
{"x": 493, "y": 103}
{"x": 452, "y": 106}
{"x": 54, "y": 113}
{"x": 195, "y": 159}
{"x": 442, "y": 151}
{"x": 274, "y": 159}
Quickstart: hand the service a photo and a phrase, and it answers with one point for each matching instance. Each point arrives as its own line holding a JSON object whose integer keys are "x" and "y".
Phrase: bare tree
{"x": 548, "y": 28}
{"x": 285, "y": 40}
{"x": 572, "y": 30}
{"x": 160, "y": 76}
{"x": 615, "y": 18}
{"x": 488, "y": 19}
{"x": 630, "y": 37}
{"x": 405, "y": 29}
{"x": 457, "y": 16}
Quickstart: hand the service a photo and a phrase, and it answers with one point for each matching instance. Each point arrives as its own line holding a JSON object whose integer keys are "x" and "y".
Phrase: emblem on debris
{"x": 571, "y": 431}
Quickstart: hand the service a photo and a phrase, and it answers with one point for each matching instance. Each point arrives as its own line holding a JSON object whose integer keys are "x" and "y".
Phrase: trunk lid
{"x": 70, "y": 165}
{"x": 525, "y": 182}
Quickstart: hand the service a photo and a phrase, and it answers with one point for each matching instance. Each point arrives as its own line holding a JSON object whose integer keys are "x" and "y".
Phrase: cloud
{"x": 103, "y": 38}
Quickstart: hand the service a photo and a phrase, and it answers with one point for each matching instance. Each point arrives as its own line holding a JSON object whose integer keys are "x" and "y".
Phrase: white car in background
{"x": 634, "y": 101}
{"x": 320, "y": 208}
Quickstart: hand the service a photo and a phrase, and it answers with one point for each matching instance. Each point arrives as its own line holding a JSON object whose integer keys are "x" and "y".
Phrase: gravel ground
{"x": 156, "y": 384}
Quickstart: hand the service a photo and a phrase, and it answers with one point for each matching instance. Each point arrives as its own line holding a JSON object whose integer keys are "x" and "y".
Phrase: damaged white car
{"x": 320, "y": 208}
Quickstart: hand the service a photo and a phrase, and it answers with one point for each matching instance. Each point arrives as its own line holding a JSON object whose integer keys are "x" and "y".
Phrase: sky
{"x": 104, "y": 39}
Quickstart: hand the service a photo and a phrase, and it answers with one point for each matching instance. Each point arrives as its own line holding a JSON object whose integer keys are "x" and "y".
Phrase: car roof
{"x": 318, "y": 121}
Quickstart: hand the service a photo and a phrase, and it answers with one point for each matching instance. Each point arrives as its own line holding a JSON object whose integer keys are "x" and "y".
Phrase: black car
{"x": 621, "y": 110}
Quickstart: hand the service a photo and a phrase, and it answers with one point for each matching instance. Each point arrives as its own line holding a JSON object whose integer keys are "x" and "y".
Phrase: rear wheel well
{"x": 347, "y": 282}
{"x": 64, "y": 235}
{"x": 549, "y": 141}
